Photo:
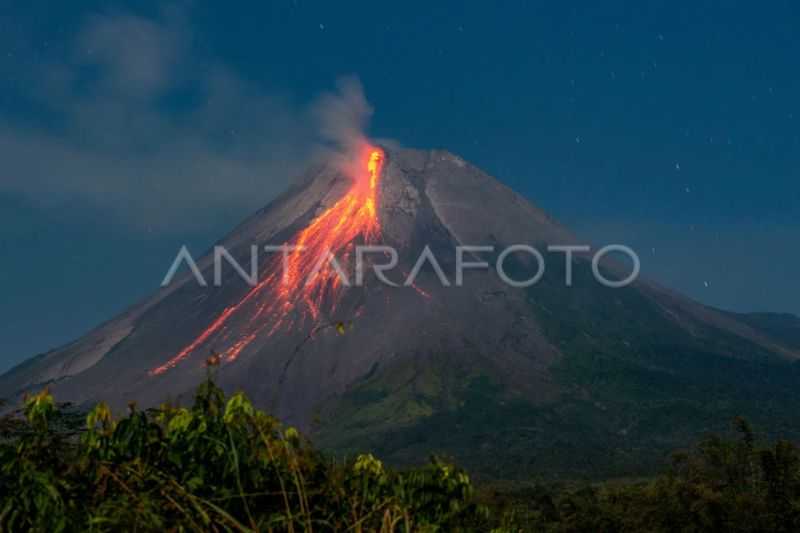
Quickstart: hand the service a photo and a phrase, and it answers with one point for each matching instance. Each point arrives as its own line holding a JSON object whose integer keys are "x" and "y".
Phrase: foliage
{"x": 221, "y": 465}
{"x": 723, "y": 485}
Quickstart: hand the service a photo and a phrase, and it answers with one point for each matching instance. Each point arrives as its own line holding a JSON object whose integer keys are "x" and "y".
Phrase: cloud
{"x": 141, "y": 127}
{"x": 137, "y": 54}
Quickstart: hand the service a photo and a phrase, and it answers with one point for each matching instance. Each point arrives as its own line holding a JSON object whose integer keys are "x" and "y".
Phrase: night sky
{"x": 125, "y": 132}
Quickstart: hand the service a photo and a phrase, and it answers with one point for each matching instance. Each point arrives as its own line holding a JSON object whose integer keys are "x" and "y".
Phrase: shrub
{"x": 220, "y": 465}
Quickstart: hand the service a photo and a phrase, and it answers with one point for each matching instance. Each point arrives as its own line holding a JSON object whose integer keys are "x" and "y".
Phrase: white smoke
{"x": 343, "y": 115}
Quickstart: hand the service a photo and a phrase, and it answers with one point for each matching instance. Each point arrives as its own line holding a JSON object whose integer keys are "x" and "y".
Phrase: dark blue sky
{"x": 127, "y": 131}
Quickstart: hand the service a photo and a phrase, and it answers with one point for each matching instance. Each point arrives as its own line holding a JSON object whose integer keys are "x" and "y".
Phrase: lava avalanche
{"x": 295, "y": 291}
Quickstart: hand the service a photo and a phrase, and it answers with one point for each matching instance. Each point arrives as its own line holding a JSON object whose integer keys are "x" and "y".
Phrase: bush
{"x": 221, "y": 465}
{"x": 723, "y": 485}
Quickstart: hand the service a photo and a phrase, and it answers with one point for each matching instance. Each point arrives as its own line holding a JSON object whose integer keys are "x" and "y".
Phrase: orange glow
{"x": 333, "y": 232}
{"x": 310, "y": 280}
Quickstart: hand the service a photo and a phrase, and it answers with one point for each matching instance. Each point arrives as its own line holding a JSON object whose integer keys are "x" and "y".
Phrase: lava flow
{"x": 331, "y": 233}
{"x": 297, "y": 289}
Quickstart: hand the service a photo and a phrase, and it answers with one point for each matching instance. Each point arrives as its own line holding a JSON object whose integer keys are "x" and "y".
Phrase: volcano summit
{"x": 583, "y": 379}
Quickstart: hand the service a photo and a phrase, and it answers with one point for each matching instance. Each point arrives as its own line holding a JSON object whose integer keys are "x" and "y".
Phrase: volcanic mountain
{"x": 510, "y": 381}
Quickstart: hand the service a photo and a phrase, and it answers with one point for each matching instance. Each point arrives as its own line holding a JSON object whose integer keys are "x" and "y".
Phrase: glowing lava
{"x": 309, "y": 271}
{"x": 310, "y": 280}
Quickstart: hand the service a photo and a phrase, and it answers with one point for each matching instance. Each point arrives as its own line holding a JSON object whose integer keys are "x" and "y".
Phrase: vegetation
{"x": 222, "y": 465}
{"x": 630, "y": 385}
{"x": 724, "y": 485}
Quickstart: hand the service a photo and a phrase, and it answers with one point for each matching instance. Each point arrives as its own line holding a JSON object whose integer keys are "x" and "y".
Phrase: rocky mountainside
{"x": 580, "y": 380}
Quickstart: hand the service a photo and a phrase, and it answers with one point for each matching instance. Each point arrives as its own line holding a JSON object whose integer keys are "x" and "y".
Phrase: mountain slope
{"x": 578, "y": 380}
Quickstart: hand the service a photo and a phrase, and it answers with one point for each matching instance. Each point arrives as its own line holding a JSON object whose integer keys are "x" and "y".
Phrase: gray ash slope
{"x": 576, "y": 381}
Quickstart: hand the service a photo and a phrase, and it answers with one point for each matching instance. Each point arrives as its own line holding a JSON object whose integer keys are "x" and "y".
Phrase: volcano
{"x": 548, "y": 379}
